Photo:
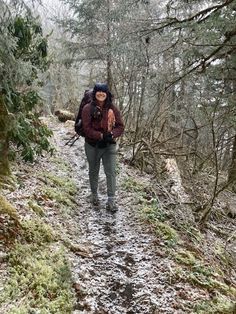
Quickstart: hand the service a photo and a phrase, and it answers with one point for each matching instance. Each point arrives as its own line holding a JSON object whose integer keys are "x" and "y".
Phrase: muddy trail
{"x": 123, "y": 270}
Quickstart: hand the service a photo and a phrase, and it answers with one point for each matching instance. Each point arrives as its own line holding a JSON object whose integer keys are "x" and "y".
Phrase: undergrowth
{"x": 183, "y": 245}
{"x": 199, "y": 273}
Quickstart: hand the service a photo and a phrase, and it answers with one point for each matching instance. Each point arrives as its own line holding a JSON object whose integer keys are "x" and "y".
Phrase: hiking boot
{"x": 94, "y": 199}
{"x": 111, "y": 206}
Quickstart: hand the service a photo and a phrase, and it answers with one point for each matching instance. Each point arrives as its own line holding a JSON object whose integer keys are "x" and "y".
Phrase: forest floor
{"x": 62, "y": 255}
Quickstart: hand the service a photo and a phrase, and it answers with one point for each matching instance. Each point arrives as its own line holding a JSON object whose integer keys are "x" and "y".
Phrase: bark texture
{"x": 4, "y": 143}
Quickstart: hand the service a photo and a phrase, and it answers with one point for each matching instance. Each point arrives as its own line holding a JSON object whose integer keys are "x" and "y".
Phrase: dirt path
{"x": 118, "y": 264}
{"x": 124, "y": 272}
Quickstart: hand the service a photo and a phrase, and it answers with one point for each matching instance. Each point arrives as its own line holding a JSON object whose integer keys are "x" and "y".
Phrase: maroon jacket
{"x": 94, "y": 128}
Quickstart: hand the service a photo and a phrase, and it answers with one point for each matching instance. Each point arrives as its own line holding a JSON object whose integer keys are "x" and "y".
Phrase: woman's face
{"x": 100, "y": 96}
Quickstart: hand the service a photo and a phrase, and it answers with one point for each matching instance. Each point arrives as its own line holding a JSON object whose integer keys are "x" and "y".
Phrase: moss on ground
{"x": 60, "y": 189}
{"x": 39, "y": 210}
{"x": 62, "y": 165}
{"x": 39, "y": 280}
{"x": 153, "y": 213}
{"x": 39, "y": 274}
{"x": 9, "y": 221}
{"x": 7, "y": 209}
{"x": 132, "y": 185}
{"x": 185, "y": 257}
{"x": 157, "y": 217}
{"x": 8, "y": 182}
{"x": 199, "y": 273}
{"x": 36, "y": 231}
{"x": 68, "y": 185}
{"x": 219, "y": 305}
{"x": 59, "y": 196}
{"x": 167, "y": 233}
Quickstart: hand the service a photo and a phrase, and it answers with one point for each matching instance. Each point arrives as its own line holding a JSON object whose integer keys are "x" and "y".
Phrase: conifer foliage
{"x": 23, "y": 55}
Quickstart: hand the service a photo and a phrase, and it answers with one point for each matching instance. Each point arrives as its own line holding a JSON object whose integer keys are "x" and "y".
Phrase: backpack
{"x": 87, "y": 98}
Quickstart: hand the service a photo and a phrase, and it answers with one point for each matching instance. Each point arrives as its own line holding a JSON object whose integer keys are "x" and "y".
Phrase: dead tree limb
{"x": 152, "y": 154}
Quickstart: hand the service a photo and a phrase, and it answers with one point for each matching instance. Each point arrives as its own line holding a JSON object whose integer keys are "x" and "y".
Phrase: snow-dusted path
{"x": 125, "y": 271}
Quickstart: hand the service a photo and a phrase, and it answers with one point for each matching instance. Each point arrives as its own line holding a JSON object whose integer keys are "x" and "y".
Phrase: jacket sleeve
{"x": 87, "y": 124}
{"x": 119, "y": 125}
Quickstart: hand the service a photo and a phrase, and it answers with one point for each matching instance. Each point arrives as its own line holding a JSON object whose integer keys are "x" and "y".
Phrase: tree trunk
{"x": 232, "y": 168}
{"x": 4, "y": 144}
{"x": 109, "y": 53}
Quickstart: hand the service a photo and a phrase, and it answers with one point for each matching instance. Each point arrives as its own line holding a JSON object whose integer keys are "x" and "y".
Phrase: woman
{"x": 102, "y": 125}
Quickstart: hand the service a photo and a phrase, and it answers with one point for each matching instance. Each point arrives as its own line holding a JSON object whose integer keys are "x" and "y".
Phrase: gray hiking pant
{"x": 108, "y": 157}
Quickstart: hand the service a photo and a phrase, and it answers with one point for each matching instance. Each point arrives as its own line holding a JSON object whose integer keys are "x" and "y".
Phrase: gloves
{"x": 108, "y": 138}
{"x": 102, "y": 144}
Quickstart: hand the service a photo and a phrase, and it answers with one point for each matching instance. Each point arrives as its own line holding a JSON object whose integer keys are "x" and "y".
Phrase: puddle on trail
{"x": 123, "y": 273}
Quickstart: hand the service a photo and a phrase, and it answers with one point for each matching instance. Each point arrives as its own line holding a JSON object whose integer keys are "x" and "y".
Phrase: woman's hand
{"x": 108, "y": 137}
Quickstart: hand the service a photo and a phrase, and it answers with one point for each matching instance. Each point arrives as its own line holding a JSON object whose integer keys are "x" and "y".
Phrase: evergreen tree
{"x": 23, "y": 53}
{"x": 104, "y": 35}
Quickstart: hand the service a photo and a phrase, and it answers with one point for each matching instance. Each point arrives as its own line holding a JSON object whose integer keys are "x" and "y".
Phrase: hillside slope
{"x": 61, "y": 255}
